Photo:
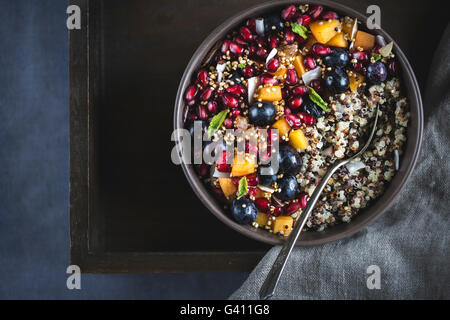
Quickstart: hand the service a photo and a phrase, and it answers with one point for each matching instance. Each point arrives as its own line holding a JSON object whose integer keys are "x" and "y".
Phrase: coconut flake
{"x": 396, "y": 159}
{"x": 272, "y": 54}
{"x": 220, "y": 174}
{"x": 220, "y": 69}
{"x": 354, "y": 166}
{"x": 354, "y": 29}
{"x": 260, "y": 27}
{"x": 252, "y": 84}
{"x": 387, "y": 49}
{"x": 312, "y": 75}
{"x": 266, "y": 189}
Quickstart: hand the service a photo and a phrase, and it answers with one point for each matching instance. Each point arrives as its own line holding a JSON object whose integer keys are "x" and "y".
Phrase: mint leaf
{"x": 242, "y": 188}
{"x": 300, "y": 30}
{"x": 242, "y": 65}
{"x": 314, "y": 96}
{"x": 216, "y": 122}
{"x": 376, "y": 56}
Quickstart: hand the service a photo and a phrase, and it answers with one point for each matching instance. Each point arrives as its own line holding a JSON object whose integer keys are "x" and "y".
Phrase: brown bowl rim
{"x": 339, "y": 231}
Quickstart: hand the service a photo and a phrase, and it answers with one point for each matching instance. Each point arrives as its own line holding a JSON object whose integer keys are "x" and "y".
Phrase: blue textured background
{"x": 34, "y": 171}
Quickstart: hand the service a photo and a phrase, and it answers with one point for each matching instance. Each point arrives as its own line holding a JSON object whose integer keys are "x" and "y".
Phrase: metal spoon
{"x": 270, "y": 284}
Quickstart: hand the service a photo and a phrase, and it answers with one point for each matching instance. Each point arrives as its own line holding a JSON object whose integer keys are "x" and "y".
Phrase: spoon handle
{"x": 270, "y": 284}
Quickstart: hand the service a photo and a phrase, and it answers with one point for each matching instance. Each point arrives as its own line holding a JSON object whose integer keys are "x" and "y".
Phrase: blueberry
{"x": 376, "y": 72}
{"x": 243, "y": 210}
{"x": 262, "y": 114}
{"x": 267, "y": 180}
{"x": 235, "y": 76}
{"x": 289, "y": 188}
{"x": 310, "y": 107}
{"x": 289, "y": 160}
{"x": 337, "y": 58}
{"x": 273, "y": 23}
{"x": 337, "y": 80}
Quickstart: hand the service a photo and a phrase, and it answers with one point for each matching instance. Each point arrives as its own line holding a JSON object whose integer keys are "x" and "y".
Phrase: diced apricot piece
{"x": 270, "y": 93}
{"x": 297, "y": 139}
{"x": 228, "y": 188}
{"x": 282, "y": 223}
{"x": 243, "y": 165}
{"x": 299, "y": 66}
{"x": 364, "y": 40}
{"x": 356, "y": 80}
{"x": 338, "y": 41}
{"x": 323, "y": 31}
{"x": 262, "y": 219}
{"x": 281, "y": 72}
{"x": 283, "y": 127}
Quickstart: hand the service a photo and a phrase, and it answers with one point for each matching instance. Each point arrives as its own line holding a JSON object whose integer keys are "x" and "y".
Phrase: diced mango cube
{"x": 323, "y": 30}
{"x": 270, "y": 93}
{"x": 356, "y": 80}
{"x": 338, "y": 41}
{"x": 228, "y": 187}
{"x": 364, "y": 40}
{"x": 297, "y": 139}
{"x": 262, "y": 219}
{"x": 283, "y": 127}
{"x": 243, "y": 165}
{"x": 282, "y": 223}
{"x": 299, "y": 66}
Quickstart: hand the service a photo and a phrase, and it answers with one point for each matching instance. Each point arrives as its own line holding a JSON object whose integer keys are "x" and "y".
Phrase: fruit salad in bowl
{"x": 283, "y": 96}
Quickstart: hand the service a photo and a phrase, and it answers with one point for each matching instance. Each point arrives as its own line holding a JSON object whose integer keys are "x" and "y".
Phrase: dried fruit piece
{"x": 270, "y": 93}
{"x": 283, "y": 127}
{"x": 282, "y": 224}
{"x": 364, "y": 40}
{"x": 323, "y": 31}
{"x": 356, "y": 80}
{"x": 338, "y": 41}
{"x": 228, "y": 188}
{"x": 297, "y": 139}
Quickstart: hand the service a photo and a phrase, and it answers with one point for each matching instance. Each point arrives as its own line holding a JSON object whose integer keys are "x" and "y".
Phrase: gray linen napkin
{"x": 409, "y": 244}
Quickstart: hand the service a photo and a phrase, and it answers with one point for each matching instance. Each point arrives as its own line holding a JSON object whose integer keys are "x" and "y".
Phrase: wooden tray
{"x": 131, "y": 209}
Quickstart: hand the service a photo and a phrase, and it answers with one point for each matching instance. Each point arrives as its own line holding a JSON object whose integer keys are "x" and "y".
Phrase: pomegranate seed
{"x": 201, "y": 112}
{"x": 253, "y": 180}
{"x": 235, "y": 48}
{"x": 202, "y": 77}
{"x": 191, "y": 93}
{"x": 287, "y": 111}
{"x": 252, "y": 50}
{"x": 277, "y": 211}
{"x": 272, "y": 136}
{"x": 192, "y": 117}
{"x": 261, "y": 53}
{"x": 266, "y": 156}
{"x": 235, "y": 113}
{"x": 316, "y": 85}
{"x": 252, "y": 191}
{"x": 299, "y": 91}
{"x": 360, "y": 56}
{"x": 359, "y": 67}
{"x": 240, "y": 41}
{"x": 303, "y": 200}
{"x": 230, "y": 101}
{"x": 267, "y": 79}
{"x": 310, "y": 62}
{"x": 306, "y": 118}
{"x": 293, "y": 120}
{"x": 329, "y": 15}
{"x": 291, "y": 208}
{"x": 246, "y": 34}
{"x": 304, "y": 19}
{"x": 251, "y": 147}
{"x": 320, "y": 49}
{"x": 288, "y": 12}
{"x": 191, "y": 103}
{"x": 228, "y": 123}
{"x": 315, "y": 11}
{"x": 273, "y": 41}
{"x": 212, "y": 107}
{"x": 289, "y": 36}
{"x": 251, "y": 24}
{"x": 261, "y": 42}
{"x": 284, "y": 92}
{"x": 376, "y": 49}
{"x": 207, "y": 94}
{"x": 295, "y": 102}
{"x": 222, "y": 164}
{"x": 262, "y": 204}
{"x": 248, "y": 71}
{"x": 291, "y": 77}
{"x": 237, "y": 90}
{"x": 225, "y": 46}
{"x": 393, "y": 68}
{"x": 273, "y": 65}
{"x": 202, "y": 169}
{"x": 300, "y": 39}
